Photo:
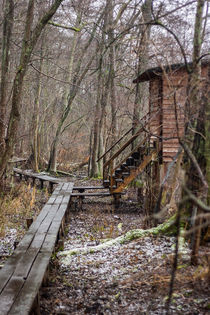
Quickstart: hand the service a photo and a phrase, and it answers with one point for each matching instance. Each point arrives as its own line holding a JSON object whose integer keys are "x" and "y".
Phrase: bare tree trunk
{"x": 7, "y": 31}
{"x": 35, "y": 118}
{"x": 29, "y": 41}
{"x": 206, "y": 98}
{"x": 97, "y": 147}
{"x": 144, "y": 36}
{"x": 94, "y": 166}
{"x": 196, "y": 114}
{"x": 112, "y": 71}
{"x": 76, "y": 82}
{"x": 65, "y": 101}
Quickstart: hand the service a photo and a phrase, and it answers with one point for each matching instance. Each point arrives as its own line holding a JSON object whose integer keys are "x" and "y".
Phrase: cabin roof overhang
{"x": 152, "y": 73}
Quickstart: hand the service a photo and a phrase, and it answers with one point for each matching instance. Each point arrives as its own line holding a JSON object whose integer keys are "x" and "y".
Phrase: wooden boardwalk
{"x": 35, "y": 176}
{"x": 26, "y": 270}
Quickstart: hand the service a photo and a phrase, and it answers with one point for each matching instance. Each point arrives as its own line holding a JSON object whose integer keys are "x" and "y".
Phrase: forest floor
{"x": 133, "y": 278}
{"x": 125, "y": 279}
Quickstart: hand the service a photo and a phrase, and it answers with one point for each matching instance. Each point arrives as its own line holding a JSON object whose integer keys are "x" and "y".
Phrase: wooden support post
{"x": 29, "y": 221}
{"x": 81, "y": 190}
{"x": 36, "y": 306}
{"x": 80, "y": 201}
{"x": 41, "y": 184}
{"x": 46, "y": 278}
{"x": 51, "y": 187}
{"x": 16, "y": 244}
{"x": 111, "y": 177}
{"x": 59, "y": 245}
{"x": 26, "y": 177}
{"x": 117, "y": 200}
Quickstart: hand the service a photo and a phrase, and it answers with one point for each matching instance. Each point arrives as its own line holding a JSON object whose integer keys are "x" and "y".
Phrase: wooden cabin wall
{"x": 173, "y": 118}
{"x": 155, "y": 106}
{"x": 173, "y": 107}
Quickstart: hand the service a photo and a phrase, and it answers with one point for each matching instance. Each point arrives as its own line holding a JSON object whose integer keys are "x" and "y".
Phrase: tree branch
{"x": 72, "y": 28}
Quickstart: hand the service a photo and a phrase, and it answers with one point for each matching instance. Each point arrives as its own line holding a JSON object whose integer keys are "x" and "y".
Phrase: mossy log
{"x": 167, "y": 227}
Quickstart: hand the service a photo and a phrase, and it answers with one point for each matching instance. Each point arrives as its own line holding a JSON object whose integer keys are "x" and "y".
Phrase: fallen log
{"x": 167, "y": 227}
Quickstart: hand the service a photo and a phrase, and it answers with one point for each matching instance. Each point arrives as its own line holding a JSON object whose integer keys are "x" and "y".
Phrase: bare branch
{"x": 194, "y": 161}
{"x": 72, "y": 28}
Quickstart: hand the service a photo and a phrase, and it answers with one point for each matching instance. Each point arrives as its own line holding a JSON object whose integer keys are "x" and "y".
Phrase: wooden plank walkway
{"x": 91, "y": 194}
{"x": 26, "y": 270}
{"x": 82, "y": 190}
{"x": 35, "y": 176}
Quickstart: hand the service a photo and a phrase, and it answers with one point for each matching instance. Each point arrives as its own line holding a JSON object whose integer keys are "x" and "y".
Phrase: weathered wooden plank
{"x": 21, "y": 277}
{"x": 25, "y": 299}
{"x": 66, "y": 200}
{"x": 30, "y": 239}
{"x": 60, "y": 213}
{"x": 51, "y": 200}
{"x": 24, "y": 263}
{"x": 88, "y": 187}
{"x": 9, "y": 294}
{"x": 89, "y": 194}
{"x": 50, "y": 240}
{"x": 169, "y": 150}
{"x": 38, "y": 176}
{"x": 7, "y": 271}
{"x": 58, "y": 199}
{"x": 170, "y": 146}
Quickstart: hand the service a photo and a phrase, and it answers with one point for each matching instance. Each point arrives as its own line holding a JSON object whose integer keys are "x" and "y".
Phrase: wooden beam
{"x": 136, "y": 172}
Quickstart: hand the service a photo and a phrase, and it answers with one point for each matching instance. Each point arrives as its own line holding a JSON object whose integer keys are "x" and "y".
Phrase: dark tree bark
{"x": 7, "y": 31}
{"x": 196, "y": 117}
{"x": 142, "y": 61}
{"x": 29, "y": 41}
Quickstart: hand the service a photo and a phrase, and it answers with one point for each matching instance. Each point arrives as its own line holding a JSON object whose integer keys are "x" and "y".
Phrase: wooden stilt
{"x": 117, "y": 198}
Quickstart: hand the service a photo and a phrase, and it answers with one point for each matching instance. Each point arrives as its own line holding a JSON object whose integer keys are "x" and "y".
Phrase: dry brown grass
{"x": 15, "y": 206}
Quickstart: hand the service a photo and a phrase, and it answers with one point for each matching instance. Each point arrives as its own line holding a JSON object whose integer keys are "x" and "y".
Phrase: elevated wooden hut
{"x": 167, "y": 98}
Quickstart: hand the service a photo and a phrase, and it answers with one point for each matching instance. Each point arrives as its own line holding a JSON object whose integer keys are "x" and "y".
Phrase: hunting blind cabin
{"x": 167, "y": 99}
{"x": 165, "y": 122}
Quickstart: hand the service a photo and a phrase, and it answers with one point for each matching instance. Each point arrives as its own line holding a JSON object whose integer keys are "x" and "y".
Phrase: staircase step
{"x": 118, "y": 171}
{"x": 136, "y": 155}
{"x": 124, "y": 166}
{"x": 106, "y": 183}
{"x": 130, "y": 161}
{"x": 131, "y": 167}
{"x": 118, "y": 180}
{"x": 113, "y": 187}
{"x": 125, "y": 174}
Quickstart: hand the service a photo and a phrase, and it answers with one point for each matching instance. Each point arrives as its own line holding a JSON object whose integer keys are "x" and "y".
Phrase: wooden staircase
{"x": 130, "y": 159}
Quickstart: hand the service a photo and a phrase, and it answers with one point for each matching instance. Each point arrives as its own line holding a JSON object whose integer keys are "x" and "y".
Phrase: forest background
{"x": 67, "y": 89}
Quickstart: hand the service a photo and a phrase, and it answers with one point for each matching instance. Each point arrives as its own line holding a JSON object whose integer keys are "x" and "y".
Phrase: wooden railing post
{"x": 108, "y": 166}
{"x": 111, "y": 176}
